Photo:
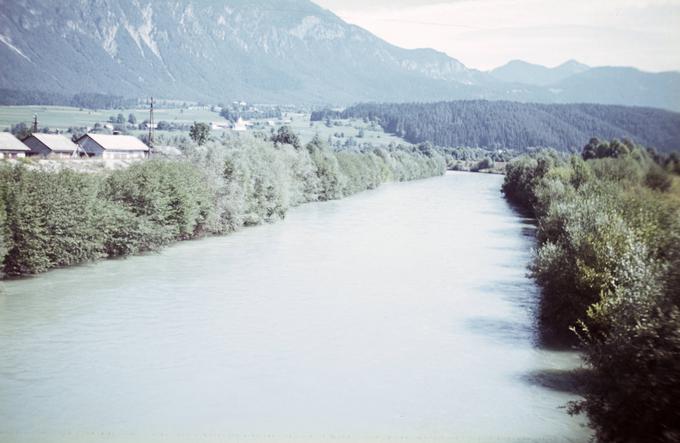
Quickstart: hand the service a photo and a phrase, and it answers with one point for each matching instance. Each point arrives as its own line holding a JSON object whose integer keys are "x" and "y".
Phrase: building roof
{"x": 117, "y": 142}
{"x": 8, "y": 142}
{"x": 55, "y": 142}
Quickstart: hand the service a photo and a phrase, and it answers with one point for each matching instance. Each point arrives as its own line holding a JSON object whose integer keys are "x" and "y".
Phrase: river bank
{"x": 54, "y": 219}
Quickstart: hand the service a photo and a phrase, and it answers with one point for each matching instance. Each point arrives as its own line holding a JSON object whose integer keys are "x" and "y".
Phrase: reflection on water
{"x": 504, "y": 331}
{"x": 399, "y": 314}
{"x": 564, "y": 380}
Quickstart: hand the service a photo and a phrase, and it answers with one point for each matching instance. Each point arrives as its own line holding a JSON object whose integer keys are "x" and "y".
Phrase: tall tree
{"x": 199, "y": 133}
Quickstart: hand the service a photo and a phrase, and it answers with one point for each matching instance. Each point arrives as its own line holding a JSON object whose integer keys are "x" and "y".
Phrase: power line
{"x": 348, "y": 19}
{"x": 414, "y": 22}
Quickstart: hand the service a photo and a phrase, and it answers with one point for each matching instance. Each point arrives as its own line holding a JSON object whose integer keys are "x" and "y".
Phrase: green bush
{"x": 171, "y": 194}
{"x": 608, "y": 260}
{"x": 51, "y": 219}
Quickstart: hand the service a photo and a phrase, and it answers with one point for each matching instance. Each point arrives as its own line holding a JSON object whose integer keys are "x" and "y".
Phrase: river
{"x": 400, "y": 314}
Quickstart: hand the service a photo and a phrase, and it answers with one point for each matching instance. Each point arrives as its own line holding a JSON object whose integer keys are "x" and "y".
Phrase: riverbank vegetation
{"x": 608, "y": 262}
{"x": 51, "y": 219}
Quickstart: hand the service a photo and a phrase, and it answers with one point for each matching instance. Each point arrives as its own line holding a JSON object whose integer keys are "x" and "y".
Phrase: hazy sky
{"x": 487, "y": 33}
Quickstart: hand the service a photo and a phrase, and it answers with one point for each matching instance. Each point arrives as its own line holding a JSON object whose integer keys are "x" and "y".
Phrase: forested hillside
{"x": 11, "y": 97}
{"x": 502, "y": 124}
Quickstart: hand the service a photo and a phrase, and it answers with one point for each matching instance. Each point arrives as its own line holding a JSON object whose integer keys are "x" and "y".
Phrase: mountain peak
{"x": 573, "y": 66}
{"x": 518, "y": 62}
{"x": 519, "y": 71}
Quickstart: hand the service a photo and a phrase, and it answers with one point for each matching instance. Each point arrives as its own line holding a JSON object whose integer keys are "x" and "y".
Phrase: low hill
{"x": 502, "y": 124}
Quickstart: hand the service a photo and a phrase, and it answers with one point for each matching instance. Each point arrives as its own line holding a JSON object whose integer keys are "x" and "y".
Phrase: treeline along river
{"x": 399, "y": 313}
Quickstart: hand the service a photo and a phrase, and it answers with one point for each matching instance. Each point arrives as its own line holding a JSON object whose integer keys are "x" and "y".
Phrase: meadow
{"x": 63, "y": 117}
{"x": 341, "y": 133}
{"x": 341, "y": 130}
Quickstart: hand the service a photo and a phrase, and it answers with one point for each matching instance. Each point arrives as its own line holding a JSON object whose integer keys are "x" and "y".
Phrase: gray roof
{"x": 56, "y": 142}
{"x": 118, "y": 142}
{"x": 8, "y": 142}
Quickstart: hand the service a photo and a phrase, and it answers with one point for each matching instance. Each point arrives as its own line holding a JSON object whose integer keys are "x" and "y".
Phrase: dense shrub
{"x": 608, "y": 260}
{"x": 523, "y": 175}
{"x": 51, "y": 219}
{"x": 170, "y": 195}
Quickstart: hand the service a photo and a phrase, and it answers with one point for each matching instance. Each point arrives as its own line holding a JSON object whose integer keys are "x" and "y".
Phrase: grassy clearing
{"x": 62, "y": 117}
{"x": 300, "y": 123}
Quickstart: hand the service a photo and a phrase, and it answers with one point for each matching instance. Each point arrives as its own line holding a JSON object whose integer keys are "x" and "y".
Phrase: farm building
{"x": 241, "y": 125}
{"x": 11, "y": 147}
{"x": 50, "y": 145}
{"x": 113, "y": 146}
{"x": 218, "y": 126}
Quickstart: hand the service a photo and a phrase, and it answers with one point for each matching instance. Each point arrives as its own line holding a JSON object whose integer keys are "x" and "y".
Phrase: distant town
{"x": 125, "y": 137}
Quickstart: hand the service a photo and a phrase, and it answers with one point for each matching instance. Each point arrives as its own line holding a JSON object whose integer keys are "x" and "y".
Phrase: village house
{"x": 11, "y": 147}
{"x": 219, "y": 126}
{"x": 113, "y": 146}
{"x": 50, "y": 145}
{"x": 241, "y": 125}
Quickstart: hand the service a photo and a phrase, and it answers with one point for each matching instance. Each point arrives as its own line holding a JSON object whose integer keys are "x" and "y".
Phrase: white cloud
{"x": 488, "y": 33}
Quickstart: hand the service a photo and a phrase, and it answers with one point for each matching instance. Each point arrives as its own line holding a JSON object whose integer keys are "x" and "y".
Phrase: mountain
{"x": 264, "y": 50}
{"x": 500, "y": 124}
{"x": 620, "y": 86}
{"x": 575, "y": 82}
{"x": 274, "y": 51}
{"x": 518, "y": 71}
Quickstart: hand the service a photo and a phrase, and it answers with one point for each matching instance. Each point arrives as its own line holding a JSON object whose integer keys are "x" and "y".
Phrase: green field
{"x": 58, "y": 117}
{"x": 62, "y": 118}
{"x": 300, "y": 123}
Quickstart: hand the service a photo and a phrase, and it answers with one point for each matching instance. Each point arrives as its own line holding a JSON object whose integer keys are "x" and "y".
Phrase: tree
{"x": 228, "y": 115}
{"x": 21, "y": 130}
{"x": 199, "y": 133}
{"x": 618, "y": 149}
{"x": 120, "y": 119}
{"x": 132, "y": 119}
{"x": 590, "y": 150}
{"x": 285, "y": 136}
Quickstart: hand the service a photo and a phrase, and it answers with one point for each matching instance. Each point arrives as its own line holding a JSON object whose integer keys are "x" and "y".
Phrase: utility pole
{"x": 152, "y": 126}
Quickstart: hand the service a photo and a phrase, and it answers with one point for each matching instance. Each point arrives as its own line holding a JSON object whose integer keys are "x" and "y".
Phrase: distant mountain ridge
{"x": 272, "y": 51}
{"x": 518, "y": 71}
